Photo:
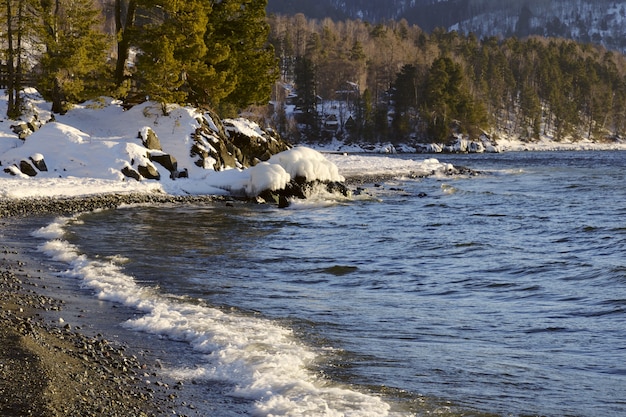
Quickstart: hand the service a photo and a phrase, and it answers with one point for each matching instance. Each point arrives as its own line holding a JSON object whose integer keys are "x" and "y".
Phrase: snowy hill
{"x": 85, "y": 152}
{"x": 597, "y": 21}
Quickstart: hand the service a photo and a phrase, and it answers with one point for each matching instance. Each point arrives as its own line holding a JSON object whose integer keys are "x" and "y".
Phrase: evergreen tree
{"x": 405, "y": 93}
{"x": 405, "y": 88}
{"x": 251, "y": 67}
{"x": 448, "y": 99}
{"x": 306, "y": 89}
{"x": 171, "y": 63}
{"x": 74, "y": 63}
{"x": 125, "y": 21}
{"x": 364, "y": 123}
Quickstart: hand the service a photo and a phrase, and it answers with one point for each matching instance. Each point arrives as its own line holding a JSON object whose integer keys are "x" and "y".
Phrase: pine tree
{"x": 306, "y": 88}
{"x": 405, "y": 93}
{"x": 251, "y": 68}
{"x": 448, "y": 99}
{"x": 171, "y": 63}
{"x": 74, "y": 65}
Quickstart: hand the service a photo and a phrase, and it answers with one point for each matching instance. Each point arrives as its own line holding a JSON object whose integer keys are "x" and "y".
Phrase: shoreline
{"x": 49, "y": 367}
{"x": 50, "y": 370}
{"x": 31, "y": 206}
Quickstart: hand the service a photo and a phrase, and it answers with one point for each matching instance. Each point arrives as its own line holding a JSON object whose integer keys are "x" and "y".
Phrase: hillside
{"x": 599, "y": 21}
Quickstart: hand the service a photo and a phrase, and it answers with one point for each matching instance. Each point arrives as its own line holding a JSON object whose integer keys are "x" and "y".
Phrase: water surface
{"x": 503, "y": 293}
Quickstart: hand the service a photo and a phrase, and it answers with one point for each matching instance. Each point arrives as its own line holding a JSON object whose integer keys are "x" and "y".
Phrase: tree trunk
{"x": 57, "y": 97}
{"x": 11, "y": 110}
{"x": 123, "y": 30}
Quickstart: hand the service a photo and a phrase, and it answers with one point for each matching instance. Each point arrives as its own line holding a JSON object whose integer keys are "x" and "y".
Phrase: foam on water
{"x": 262, "y": 360}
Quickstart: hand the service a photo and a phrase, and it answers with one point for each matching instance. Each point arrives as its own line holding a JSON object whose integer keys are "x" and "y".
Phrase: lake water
{"x": 500, "y": 294}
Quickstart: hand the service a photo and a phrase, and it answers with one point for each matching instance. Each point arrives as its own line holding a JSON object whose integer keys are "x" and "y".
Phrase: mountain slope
{"x": 597, "y": 21}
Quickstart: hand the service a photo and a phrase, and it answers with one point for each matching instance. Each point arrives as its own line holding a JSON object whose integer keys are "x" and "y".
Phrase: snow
{"x": 85, "y": 150}
{"x": 244, "y": 126}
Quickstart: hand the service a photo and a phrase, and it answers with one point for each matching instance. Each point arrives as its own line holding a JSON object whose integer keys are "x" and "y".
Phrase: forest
{"x": 389, "y": 81}
{"x": 205, "y": 53}
{"x": 400, "y": 83}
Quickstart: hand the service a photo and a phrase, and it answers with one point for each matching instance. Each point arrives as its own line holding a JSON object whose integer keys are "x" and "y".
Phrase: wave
{"x": 263, "y": 361}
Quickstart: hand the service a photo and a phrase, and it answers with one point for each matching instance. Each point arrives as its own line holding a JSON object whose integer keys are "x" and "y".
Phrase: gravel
{"x": 48, "y": 368}
{"x": 10, "y": 207}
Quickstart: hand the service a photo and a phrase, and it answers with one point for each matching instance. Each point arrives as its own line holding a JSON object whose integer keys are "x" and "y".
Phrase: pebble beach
{"x": 51, "y": 368}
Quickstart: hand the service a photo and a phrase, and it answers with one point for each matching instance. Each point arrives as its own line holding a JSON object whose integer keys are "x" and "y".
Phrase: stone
{"x": 131, "y": 173}
{"x": 33, "y": 126}
{"x": 222, "y": 145}
{"x": 149, "y": 172}
{"x": 19, "y": 128}
{"x": 167, "y": 161}
{"x": 150, "y": 139}
{"x": 27, "y": 168}
{"x": 13, "y": 170}
{"x": 300, "y": 188}
{"x": 39, "y": 162}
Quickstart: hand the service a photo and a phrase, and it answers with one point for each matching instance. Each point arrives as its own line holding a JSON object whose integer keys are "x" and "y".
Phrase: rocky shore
{"x": 50, "y": 368}
{"x": 72, "y": 205}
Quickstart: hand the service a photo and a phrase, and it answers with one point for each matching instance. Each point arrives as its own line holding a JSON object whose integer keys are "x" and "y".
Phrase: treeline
{"x": 400, "y": 82}
{"x": 205, "y": 53}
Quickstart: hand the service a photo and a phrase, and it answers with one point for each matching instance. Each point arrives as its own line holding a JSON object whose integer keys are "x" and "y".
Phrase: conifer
{"x": 251, "y": 67}
{"x": 74, "y": 63}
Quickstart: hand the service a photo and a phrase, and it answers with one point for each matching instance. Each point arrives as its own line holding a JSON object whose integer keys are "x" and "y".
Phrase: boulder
{"x": 21, "y": 130}
{"x": 300, "y": 188}
{"x": 180, "y": 174}
{"x": 254, "y": 148}
{"x": 233, "y": 144}
{"x": 167, "y": 161}
{"x": 150, "y": 139}
{"x": 33, "y": 126}
{"x": 129, "y": 172}
{"x": 149, "y": 171}
{"x": 13, "y": 170}
{"x": 39, "y": 162}
{"x": 27, "y": 168}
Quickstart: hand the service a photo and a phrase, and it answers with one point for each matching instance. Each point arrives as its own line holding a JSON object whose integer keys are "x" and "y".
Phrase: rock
{"x": 335, "y": 187}
{"x": 33, "y": 126}
{"x": 131, "y": 173}
{"x": 253, "y": 148}
{"x": 12, "y": 170}
{"x": 149, "y": 171}
{"x": 27, "y": 168}
{"x": 167, "y": 161}
{"x": 179, "y": 174}
{"x": 21, "y": 130}
{"x": 150, "y": 139}
{"x": 300, "y": 188}
{"x": 233, "y": 144}
{"x": 38, "y": 161}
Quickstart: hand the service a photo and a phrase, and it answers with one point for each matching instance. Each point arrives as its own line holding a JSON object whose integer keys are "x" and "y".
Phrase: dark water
{"x": 503, "y": 293}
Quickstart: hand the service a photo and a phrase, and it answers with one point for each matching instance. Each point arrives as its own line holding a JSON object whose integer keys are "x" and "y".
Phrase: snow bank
{"x": 308, "y": 163}
{"x": 86, "y": 149}
{"x": 366, "y": 165}
{"x": 276, "y": 173}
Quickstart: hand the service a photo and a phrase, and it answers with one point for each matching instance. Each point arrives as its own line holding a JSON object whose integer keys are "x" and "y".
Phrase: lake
{"x": 497, "y": 294}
